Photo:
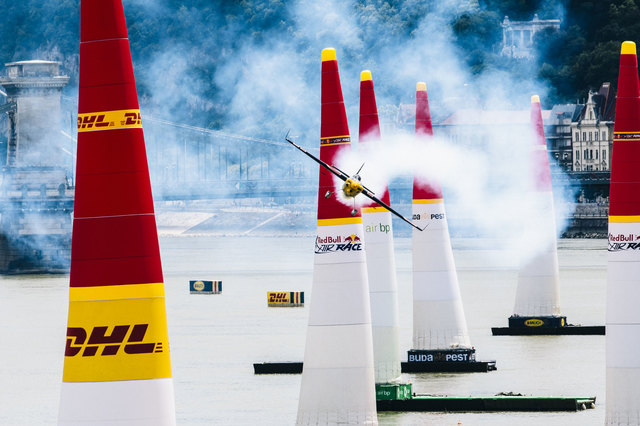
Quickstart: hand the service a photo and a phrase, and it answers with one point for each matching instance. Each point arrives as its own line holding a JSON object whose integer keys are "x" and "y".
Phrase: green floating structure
{"x": 399, "y": 397}
{"x": 393, "y": 392}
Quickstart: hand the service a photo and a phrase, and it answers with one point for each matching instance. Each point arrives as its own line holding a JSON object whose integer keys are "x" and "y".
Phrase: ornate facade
{"x": 592, "y": 132}
{"x": 517, "y": 36}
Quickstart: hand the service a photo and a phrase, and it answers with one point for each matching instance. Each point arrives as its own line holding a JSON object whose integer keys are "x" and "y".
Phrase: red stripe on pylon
{"x": 369, "y": 127}
{"x": 333, "y": 124}
{"x": 423, "y": 190}
{"x": 539, "y": 156}
{"x": 103, "y": 257}
{"x": 102, "y": 20}
{"x": 114, "y": 231}
{"x": 625, "y": 162}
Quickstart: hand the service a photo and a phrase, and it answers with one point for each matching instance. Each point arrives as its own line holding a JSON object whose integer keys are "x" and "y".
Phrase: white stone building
{"x": 517, "y": 36}
{"x": 592, "y": 133}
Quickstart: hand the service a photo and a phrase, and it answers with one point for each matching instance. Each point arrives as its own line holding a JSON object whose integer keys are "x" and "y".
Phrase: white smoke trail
{"x": 490, "y": 193}
{"x": 272, "y": 83}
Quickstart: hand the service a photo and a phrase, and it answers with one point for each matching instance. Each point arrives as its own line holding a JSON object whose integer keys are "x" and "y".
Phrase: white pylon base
{"x": 127, "y": 403}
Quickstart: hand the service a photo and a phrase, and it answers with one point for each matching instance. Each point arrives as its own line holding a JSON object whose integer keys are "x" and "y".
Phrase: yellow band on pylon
{"x": 109, "y": 120}
{"x": 376, "y": 209}
{"x": 115, "y": 292}
{"x": 335, "y": 137}
{"x": 340, "y": 221}
{"x": 430, "y": 201}
{"x": 624, "y": 219}
{"x": 335, "y": 140}
{"x": 109, "y": 340}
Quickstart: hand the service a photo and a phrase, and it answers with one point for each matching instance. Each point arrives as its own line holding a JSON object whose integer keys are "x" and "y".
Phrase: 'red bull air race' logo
{"x": 331, "y": 244}
{"x": 623, "y": 242}
{"x": 77, "y": 341}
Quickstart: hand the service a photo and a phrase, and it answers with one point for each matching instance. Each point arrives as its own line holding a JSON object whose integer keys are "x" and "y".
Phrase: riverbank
{"x": 256, "y": 218}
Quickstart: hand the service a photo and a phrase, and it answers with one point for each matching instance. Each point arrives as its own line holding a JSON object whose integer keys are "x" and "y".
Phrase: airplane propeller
{"x": 353, "y": 181}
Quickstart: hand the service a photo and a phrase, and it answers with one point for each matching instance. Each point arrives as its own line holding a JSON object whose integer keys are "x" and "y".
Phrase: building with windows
{"x": 557, "y": 131}
{"x": 518, "y": 36}
{"x": 579, "y": 136}
{"x": 592, "y": 132}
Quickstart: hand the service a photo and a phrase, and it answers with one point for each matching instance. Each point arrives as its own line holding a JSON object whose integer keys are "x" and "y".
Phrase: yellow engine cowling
{"x": 352, "y": 187}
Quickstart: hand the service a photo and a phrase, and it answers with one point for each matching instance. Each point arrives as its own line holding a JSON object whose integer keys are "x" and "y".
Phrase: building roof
{"x": 570, "y": 111}
{"x": 31, "y": 62}
{"x": 605, "y": 104}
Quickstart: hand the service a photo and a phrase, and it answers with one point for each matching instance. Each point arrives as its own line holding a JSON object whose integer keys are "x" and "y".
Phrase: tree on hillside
{"x": 518, "y": 10}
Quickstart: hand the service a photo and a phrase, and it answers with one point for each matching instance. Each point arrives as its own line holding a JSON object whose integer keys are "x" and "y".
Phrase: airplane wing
{"x": 342, "y": 175}
{"x": 333, "y": 169}
{"x": 369, "y": 194}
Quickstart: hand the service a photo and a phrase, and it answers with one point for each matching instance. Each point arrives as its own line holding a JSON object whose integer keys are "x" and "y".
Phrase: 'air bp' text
{"x": 378, "y": 228}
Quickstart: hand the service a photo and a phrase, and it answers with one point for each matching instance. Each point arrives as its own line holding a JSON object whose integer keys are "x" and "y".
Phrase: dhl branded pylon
{"x": 537, "y": 293}
{"x": 438, "y": 317}
{"x": 337, "y": 379}
{"x": 117, "y": 368}
{"x": 381, "y": 264}
{"x": 623, "y": 287}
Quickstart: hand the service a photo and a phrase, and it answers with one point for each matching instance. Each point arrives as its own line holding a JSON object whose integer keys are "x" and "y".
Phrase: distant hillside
{"x": 200, "y": 61}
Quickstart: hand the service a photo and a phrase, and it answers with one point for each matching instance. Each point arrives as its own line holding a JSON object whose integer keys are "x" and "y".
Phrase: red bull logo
{"x": 623, "y": 242}
{"x": 624, "y": 238}
{"x": 335, "y": 140}
{"x": 626, "y": 135}
{"x": 331, "y": 244}
{"x": 329, "y": 240}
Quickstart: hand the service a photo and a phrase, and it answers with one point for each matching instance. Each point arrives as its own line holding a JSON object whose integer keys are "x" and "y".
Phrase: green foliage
{"x": 204, "y": 35}
{"x": 516, "y": 10}
{"x": 580, "y": 56}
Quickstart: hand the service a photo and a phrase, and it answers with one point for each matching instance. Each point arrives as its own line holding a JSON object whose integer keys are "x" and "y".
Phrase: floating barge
{"x": 418, "y": 402}
{"x": 487, "y": 403}
{"x": 407, "y": 367}
{"x": 540, "y": 326}
{"x": 456, "y": 360}
{"x": 449, "y": 367}
{"x": 277, "y": 368}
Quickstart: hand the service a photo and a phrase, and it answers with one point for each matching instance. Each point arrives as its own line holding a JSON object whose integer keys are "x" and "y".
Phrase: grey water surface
{"x": 215, "y": 339}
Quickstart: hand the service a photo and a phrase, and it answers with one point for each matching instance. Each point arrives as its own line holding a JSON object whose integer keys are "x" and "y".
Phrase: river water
{"x": 215, "y": 339}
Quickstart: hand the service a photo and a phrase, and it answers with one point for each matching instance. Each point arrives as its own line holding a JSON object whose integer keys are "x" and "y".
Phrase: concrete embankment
{"x": 232, "y": 217}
